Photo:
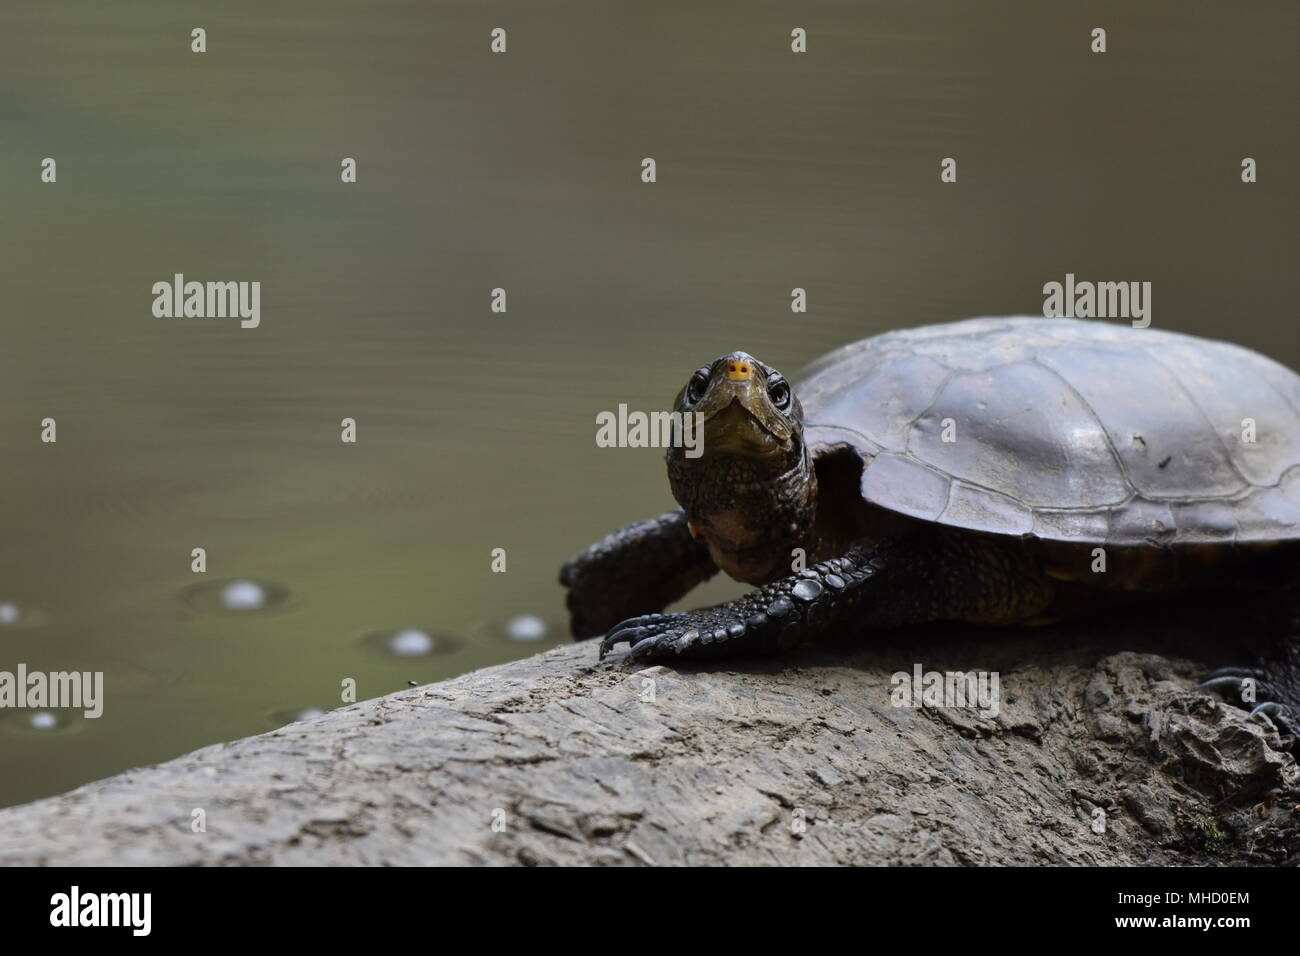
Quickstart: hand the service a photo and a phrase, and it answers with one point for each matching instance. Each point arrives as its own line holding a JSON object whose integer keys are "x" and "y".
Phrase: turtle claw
{"x": 1284, "y": 718}
{"x": 632, "y": 631}
{"x": 1238, "y": 672}
{"x": 668, "y": 639}
{"x": 650, "y": 647}
{"x": 1270, "y": 707}
{"x": 1222, "y": 684}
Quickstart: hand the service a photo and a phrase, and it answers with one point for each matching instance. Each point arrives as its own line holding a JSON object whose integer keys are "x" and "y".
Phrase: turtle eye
{"x": 697, "y": 386}
{"x": 778, "y": 390}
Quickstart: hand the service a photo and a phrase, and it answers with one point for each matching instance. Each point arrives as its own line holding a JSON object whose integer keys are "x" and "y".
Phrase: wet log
{"x": 1096, "y": 755}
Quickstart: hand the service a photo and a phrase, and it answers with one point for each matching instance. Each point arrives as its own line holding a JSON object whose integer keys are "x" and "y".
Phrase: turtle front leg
{"x": 771, "y": 619}
{"x": 1271, "y": 688}
{"x": 1267, "y": 695}
{"x": 643, "y": 567}
{"x": 910, "y": 580}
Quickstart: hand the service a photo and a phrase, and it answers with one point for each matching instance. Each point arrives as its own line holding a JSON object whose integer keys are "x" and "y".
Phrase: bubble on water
{"x": 243, "y": 596}
{"x": 291, "y": 715}
{"x": 525, "y": 627}
{"x": 20, "y": 720}
{"x": 413, "y": 642}
{"x": 15, "y": 615}
{"x": 235, "y": 596}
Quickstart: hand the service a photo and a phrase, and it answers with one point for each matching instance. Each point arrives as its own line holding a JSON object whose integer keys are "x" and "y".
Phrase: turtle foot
{"x": 1251, "y": 689}
{"x": 708, "y": 632}
{"x": 774, "y": 618}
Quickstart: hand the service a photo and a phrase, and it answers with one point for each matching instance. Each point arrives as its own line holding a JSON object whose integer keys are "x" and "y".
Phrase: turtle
{"x": 1010, "y": 470}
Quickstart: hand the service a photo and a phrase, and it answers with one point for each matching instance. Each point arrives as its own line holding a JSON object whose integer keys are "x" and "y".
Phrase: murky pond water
{"x": 371, "y": 561}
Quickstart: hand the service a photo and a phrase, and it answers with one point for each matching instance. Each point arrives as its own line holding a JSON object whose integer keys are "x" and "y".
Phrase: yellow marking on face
{"x": 740, "y": 371}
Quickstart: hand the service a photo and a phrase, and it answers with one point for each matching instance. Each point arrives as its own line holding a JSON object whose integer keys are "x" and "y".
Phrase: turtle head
{"x": 747, "y": 409}
{"x": 749, "y": 489}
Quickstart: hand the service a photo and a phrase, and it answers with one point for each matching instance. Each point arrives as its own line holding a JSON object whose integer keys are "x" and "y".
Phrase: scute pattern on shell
{"x": 1066, "y": 429}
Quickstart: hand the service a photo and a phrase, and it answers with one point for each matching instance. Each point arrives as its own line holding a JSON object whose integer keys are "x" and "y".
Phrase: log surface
{"x": 1097, "y": 756}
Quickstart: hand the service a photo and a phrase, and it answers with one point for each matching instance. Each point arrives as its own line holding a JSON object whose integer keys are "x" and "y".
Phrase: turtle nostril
{"x": 738, "y": 371}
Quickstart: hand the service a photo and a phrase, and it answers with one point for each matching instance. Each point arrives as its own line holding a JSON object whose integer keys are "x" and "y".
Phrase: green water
{"x": 476, "y": 171}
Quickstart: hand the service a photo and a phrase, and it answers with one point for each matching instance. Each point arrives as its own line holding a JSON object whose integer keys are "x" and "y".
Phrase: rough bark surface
{"x": 1100, "y": 755}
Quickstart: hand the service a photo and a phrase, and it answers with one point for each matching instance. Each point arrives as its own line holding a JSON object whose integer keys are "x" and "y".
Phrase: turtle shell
{"x": 1066, "y": 430}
